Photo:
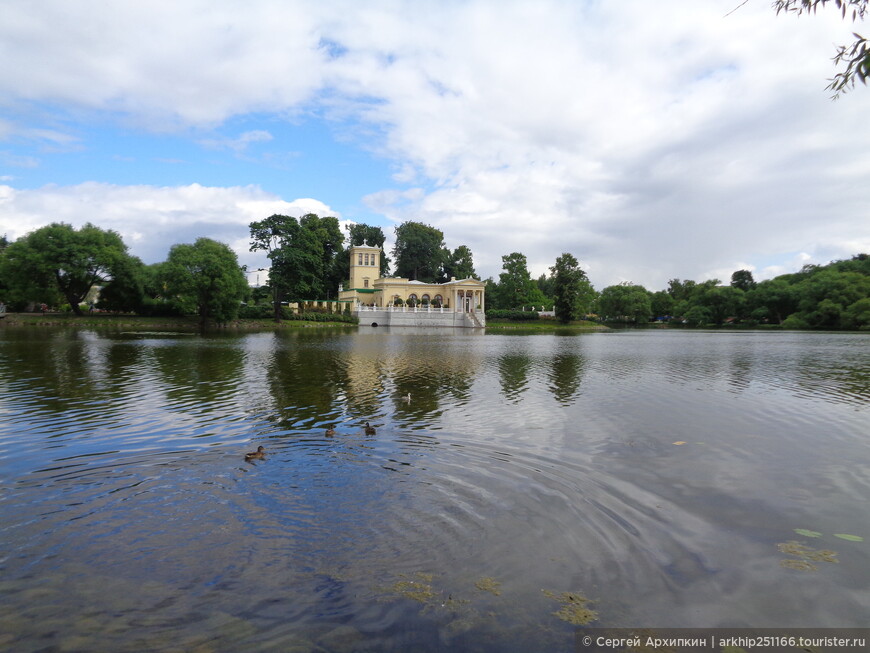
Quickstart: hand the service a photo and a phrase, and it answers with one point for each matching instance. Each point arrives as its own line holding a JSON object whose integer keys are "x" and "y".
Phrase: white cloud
{"x": 649, "y": 141}
{"x": 239, "y": 144}
{"x": 151, "y": 219}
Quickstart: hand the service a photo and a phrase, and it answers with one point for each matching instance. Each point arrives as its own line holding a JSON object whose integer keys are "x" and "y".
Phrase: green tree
{"x": 515, "y": 285}
{"x": 743, "y": 280}
{"x": 126, "y": 290}
{"x": 418, "y": 251}
{"x": 856, "y": 56}
{"x": 205, "y": 278}
{"x": 61, "y": 259}
{"x": 824, "y": 297}
{"x": 681, "y": 290}
{"x": 662, "y": 304}
{"x": 306, "y": 256}
{"x": 772, "y": 300}
{"x": 272, "y": 235}
{"x": 697, "y": 315}
{"x": 459, "y": 263}
{"x": 323, "y": 236}
{"x": 545, "y": 285}
{"x": 625, "y": 302}
{"x": 572, "y": 292}
{"x": 857, "y": 315}
{"x": 721, "y": 302}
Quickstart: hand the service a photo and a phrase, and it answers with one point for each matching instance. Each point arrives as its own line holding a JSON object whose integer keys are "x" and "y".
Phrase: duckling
{"x": 259, "y": 454}
{"x": 370, "y": 430}
{"x": 330, "y": 431}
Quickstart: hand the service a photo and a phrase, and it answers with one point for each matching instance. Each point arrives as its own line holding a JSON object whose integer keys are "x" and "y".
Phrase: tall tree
{"x": 515, "y": 285}
{"x": 272, "y": 235}
{"x": 743, "y": 280}
{"x": 126, "y": 290}
{"x": 572, "y": 292}
{"x": 681, "y": 290}
{"x": 625, "y": 302}
{"x": 856, "y": 56}
{"x": 205, "y": 278}
{"x": 459, "y": 264}
{"x": 323, "y": 237}
{"x": 305, "y": 254}
{"x": 418, "y": 251}
{"x": 70, "y": 261}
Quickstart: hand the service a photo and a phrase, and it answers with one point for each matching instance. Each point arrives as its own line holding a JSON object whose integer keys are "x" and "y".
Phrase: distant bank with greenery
{"x": 172, "y": 322}
{"x": 78, "y": 270}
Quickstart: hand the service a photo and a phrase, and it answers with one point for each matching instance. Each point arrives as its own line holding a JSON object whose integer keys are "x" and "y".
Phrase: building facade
{"x": 454, "y": 303}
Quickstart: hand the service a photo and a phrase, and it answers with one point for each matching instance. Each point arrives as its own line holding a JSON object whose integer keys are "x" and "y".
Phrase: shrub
{"x": 502, "y": 314}
{"x": 250, "y": 312}
{"x": 158, "y": 308}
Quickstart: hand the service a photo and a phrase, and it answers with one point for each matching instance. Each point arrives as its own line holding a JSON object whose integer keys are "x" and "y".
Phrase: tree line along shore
{"x": 59, "y": 269}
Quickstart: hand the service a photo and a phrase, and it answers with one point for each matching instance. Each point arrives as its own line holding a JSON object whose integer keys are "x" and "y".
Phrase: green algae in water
{"x": 417, "y": 588}
{"x": 804, "y": 556}
{"x": 800, "y": 565}
{"x": 573, "y": 609}
{"x": 487, "y": 584}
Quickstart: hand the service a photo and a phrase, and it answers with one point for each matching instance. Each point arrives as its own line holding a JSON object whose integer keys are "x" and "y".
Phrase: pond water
{"x": 659, "y": 474}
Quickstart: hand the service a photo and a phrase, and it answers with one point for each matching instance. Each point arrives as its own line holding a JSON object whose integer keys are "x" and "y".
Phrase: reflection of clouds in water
{"x": 541, "y": 461}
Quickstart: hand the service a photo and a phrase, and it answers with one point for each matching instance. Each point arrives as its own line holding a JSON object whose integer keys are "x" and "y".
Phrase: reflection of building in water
{"x": 396, "y": 301}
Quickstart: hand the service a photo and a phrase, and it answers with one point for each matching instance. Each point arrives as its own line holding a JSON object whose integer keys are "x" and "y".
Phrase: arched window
{"x": 365, "y": 283}
{"x": 438, "y": 299}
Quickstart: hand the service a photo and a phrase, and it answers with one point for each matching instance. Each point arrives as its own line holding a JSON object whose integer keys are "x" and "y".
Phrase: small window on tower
{"x": 359, "y": 259}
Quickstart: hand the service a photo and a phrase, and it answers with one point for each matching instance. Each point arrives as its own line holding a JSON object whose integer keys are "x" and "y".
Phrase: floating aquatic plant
{"x": 417, "y": 588}
{"x": 800, "y": 565}
{"x": 807, "y": 533}
{"x": 488, "y": 584}
{"x": 805, "y": 556}
{"x": 851, "y": 538}
{"x": 573, "y": 609}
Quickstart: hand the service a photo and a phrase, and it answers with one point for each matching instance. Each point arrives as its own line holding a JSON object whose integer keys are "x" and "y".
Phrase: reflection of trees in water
{"x": 307, "y": 378}
{"x": 566, "y": 376}
{"x": 513, "y": 372}
{"x": 204, "y": 371}
{"x": 739, "y": 370}
{"x": 433, "y": 387}
{"x": 78, "y": 365}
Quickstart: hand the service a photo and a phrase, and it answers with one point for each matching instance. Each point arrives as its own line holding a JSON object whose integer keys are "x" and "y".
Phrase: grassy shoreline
{"x": 106, "y": 320}
{"x": 140, "y": 322}
{"x": 578, "y": 326}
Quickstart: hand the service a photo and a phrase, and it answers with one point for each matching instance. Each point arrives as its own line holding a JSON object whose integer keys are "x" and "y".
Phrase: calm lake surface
{"x": 659, "y": 474}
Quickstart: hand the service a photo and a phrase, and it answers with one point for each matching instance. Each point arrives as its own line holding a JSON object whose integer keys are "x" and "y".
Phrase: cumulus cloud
{"x": 151, "y": 219}
{"x": 650, "y": 141}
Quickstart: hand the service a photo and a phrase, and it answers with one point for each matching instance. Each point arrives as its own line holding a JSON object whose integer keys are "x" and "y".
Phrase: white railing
{"x": 403, "y": 309}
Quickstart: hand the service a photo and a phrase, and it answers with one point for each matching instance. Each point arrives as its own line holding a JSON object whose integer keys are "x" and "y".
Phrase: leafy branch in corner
{"x": 855, "y": 57}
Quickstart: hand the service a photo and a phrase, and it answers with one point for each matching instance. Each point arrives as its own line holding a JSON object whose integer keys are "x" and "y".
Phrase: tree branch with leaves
{"x": 855, "y": 57}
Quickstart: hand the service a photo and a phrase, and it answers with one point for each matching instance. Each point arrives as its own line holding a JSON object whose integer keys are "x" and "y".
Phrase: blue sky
{"x": 684, "y": 141}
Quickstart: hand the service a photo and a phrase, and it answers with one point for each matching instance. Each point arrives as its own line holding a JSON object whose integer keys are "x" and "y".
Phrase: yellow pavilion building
{"x": 401, "y": 302}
